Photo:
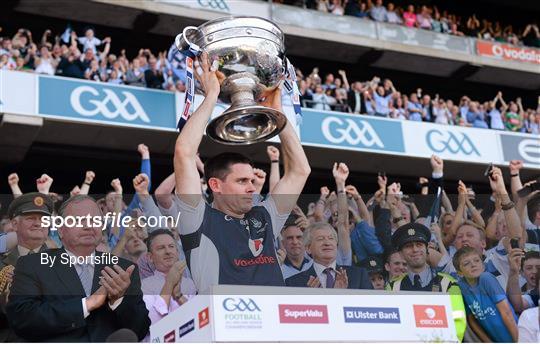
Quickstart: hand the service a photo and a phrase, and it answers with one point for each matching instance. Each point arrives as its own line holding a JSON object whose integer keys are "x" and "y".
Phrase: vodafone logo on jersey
{"x": 430, "y": 316}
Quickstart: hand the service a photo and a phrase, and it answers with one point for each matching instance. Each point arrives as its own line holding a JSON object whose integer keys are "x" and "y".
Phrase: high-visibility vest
{"x": 445, "y": 284}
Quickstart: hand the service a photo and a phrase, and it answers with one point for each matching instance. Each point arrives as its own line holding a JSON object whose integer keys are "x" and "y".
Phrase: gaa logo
{"x": 240, "y": 305}
{"x": 449, "y": 142}
{"x": 215, "y": 4}
{"x": 350, "y": 131}
{"x": 107, "y": 103}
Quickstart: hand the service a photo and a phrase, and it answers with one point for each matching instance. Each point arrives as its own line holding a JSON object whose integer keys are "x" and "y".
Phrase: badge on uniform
{"x": 256, "y": 246}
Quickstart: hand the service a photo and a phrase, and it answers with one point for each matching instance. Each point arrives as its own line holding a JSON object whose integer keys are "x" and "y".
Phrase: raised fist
{"x": 89, "y": 178}
{"x": 13, "y": 179}
{"x": 515, "y": 166}
{"x": 273, "y": 153}
{"x": 340, "y": 172}
{"x": 260, "y": 177}
{"x": 437, "y": 164}
{"x": 44, "y": 183}
{"x": 140, "y": 184}
{"x": 116, "y": 185}
{"x": 325, "y": 192}
{"x": 144, "y": 151}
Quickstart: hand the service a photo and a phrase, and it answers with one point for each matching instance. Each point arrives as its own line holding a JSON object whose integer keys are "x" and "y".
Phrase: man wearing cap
{"x": 412, "y": 240}
{"x": 25, "y": 213}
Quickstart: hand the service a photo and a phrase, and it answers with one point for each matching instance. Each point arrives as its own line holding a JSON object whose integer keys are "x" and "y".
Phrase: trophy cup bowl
{"x": 251, "y": 55}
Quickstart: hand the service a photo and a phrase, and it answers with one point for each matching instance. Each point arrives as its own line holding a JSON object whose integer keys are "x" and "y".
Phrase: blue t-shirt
{"x": 481, "y": 300}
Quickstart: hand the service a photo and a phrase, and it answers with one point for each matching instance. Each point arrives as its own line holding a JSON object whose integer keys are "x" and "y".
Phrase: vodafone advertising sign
{"x": 508, "y": 52}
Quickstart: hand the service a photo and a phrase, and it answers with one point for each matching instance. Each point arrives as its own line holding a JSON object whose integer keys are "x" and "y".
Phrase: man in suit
{"x": 355, "y": 98}
{"x": 76, "y": 293}
{"x": 320, "y": 240}
{"x": 25, "y": 213}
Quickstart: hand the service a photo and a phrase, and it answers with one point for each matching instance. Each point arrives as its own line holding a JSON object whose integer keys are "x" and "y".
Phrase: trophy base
{"x": 246, "y": 125}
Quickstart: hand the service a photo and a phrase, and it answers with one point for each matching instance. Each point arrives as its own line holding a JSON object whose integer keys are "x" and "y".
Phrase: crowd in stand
{"x": 488, "y": 245}
{"x": 427, "y": 18}
{"x": 380, "y": 98}
{"x": 89, "y": 57}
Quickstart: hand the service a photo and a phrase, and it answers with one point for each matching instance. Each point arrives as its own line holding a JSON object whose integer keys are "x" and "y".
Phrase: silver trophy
{"x": 251, "y": 55}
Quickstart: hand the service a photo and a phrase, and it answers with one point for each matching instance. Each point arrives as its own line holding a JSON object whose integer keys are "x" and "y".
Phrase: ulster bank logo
{"x": 359, "y": 132}
{"x": 88, "y": 101}
{"x": 454, "y": 143}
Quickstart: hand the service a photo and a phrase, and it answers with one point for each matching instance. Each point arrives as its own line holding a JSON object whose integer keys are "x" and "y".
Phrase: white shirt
{"x": 321, "y": 275}
{"x": 45, "y": 67}
{"x": 496, "y": 119}
{"x": 528, "y": 326}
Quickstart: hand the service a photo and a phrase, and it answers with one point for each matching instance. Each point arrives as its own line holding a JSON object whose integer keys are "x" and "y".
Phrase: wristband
{"x": 85, "y": 183}
{"x": 274, "y": 161}
{"x": 341, "y": 191}
{"x": 507, "y": 206}
{"x": 397, "y": 219}
{"x": 514, "y": 175}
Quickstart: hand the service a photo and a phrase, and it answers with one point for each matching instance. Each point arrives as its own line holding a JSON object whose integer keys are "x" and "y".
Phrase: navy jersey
{"x": 221, "y": 249}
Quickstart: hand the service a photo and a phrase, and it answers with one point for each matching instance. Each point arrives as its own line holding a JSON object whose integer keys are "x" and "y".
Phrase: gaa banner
{"x": 508, "y": 52}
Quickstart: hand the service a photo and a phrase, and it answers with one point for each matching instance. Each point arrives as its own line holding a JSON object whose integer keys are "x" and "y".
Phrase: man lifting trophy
{"x": 231, "y": 241}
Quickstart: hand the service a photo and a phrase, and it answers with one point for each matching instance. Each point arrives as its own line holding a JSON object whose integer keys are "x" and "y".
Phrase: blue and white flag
{"x": 66, "y": 36}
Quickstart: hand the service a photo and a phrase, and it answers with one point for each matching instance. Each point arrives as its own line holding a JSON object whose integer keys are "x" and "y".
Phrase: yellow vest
{"x": 456, "y": 300}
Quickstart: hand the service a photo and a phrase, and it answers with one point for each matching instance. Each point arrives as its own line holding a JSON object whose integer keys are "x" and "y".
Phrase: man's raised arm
{"x": 296, "y": 165}
{"x": 187, "y": 178}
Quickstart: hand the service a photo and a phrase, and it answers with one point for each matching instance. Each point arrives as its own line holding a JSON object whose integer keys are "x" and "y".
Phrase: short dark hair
{"x": 219, "y": 165}
{"x": 152, "y": 236}
{"x": 290, "y": 222}
{"x": 464, "y": 251}
{"x": 530, "y": 255}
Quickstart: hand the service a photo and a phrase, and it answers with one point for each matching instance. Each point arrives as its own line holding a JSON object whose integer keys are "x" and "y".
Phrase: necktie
{"x": 329, "y": 278}
{"x": 86, "y": 278}
{"x": 31, "y": 252}
{"x": 417, "y": 284}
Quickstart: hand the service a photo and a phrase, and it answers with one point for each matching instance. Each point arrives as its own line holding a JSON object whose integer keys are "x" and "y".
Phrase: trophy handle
{"x": 183, "y": 43}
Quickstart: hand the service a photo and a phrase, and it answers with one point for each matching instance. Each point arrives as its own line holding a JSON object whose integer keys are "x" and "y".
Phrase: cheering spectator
{"x": 490, "y": 315}
{"x": 423, "y": 19}
{"x": 378, "y": 11}
{"x": 356, "y": 8}
{"x": 322, "y": 100}
{"x": 320, "y": 240}
{"x": 409, "y": 17}
{"x": 89, "y": 41}
{"x": 395, "y": 265}
{"x": 391, "y": 14}
{"x": 296, "y": 259}
{"x": 531, "y": 35}
{"x": 170, "y": 286}
{"x": 66, "y": 313}
{"x": 336, "y": 8}
{"x": 528, "y": 327}
{"x": 153, "y": 76}
{"x": 382, "y": 101}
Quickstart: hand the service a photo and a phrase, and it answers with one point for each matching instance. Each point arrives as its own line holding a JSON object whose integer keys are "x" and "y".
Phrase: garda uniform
{"x": 429, "y": 280}
{"x": 33, "y": 202}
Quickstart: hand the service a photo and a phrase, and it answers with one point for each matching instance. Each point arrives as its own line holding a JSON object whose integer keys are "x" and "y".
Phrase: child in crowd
{"x": 489, "y": 313}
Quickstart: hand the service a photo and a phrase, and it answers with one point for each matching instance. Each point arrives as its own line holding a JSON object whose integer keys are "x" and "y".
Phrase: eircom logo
{"x": 430, "y": 316}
